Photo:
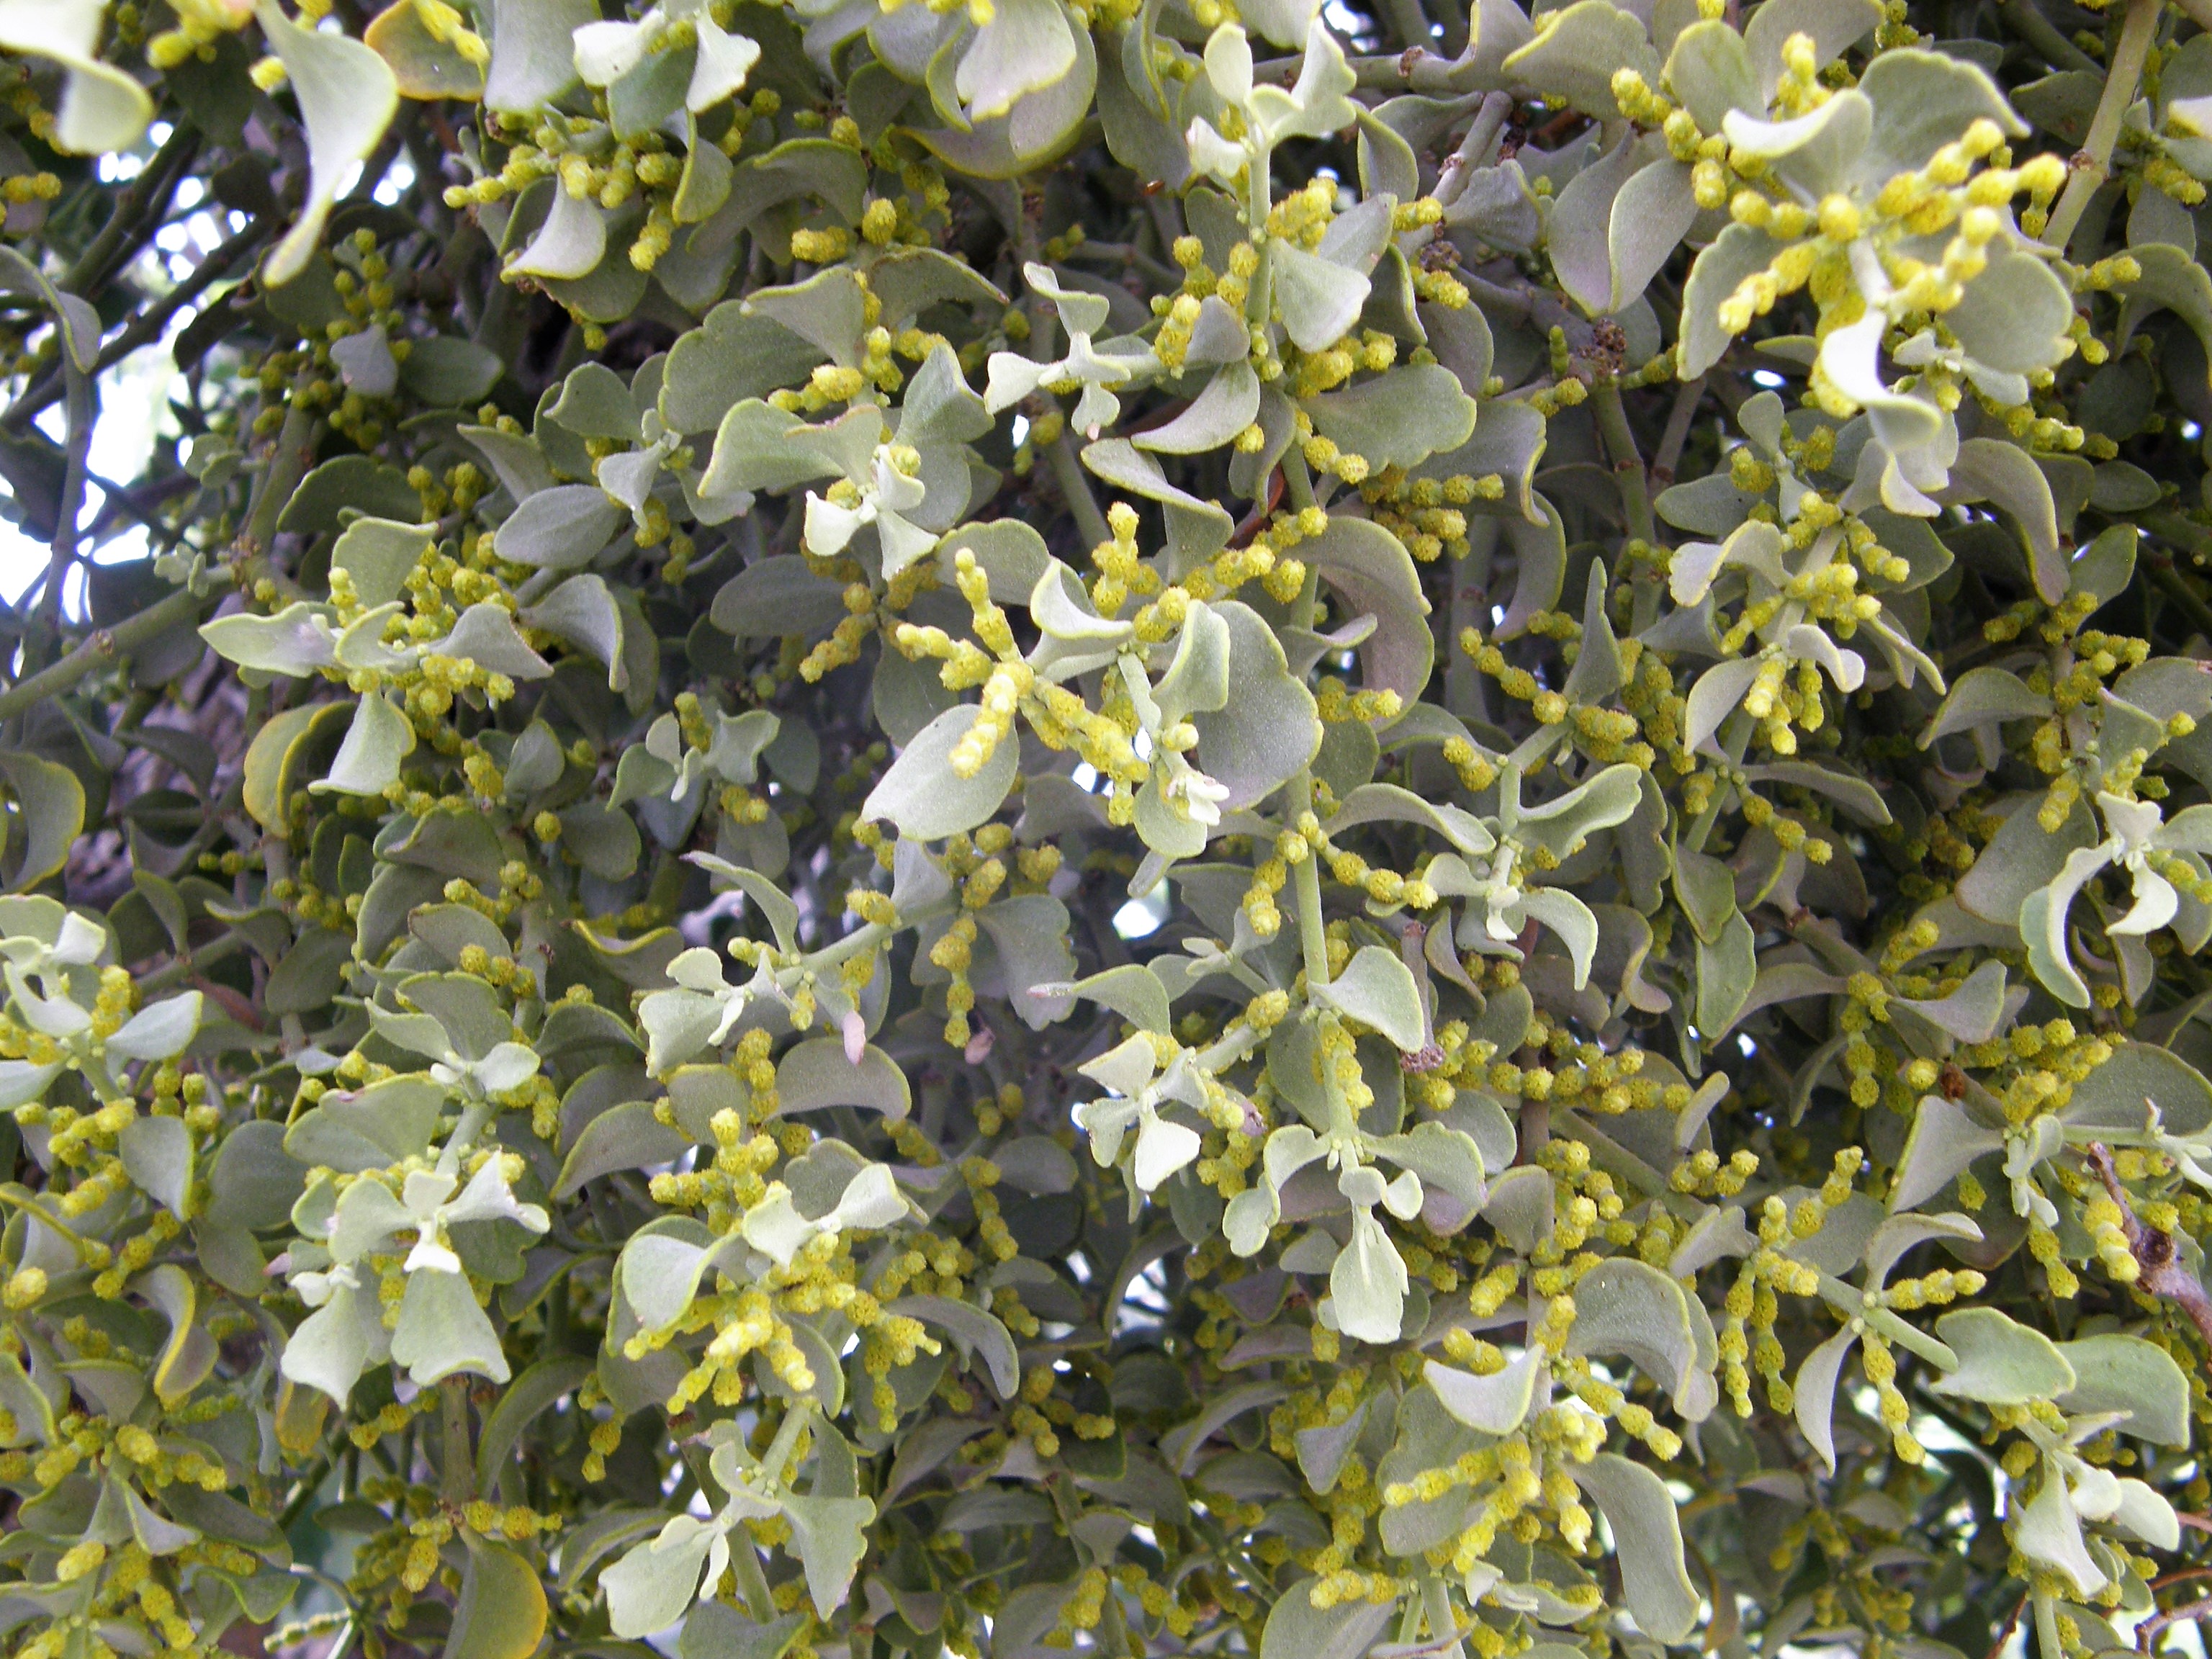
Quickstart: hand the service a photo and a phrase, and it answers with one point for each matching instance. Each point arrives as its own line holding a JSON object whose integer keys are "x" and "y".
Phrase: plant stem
{"x": 63, "y": 548}
{"x": 1075, "y": 490}
{"x": 1735, "y": 737}
{"x": 1628, "y": 461}
{"x": 1313, "y": 937}
{"x": 288, "y": 464}
{"x": 146, "y": 327}
{"x": 105, "y": 646}
{"x": 2092, "y": 164}
{"x": 1688, "y": 397}
{"x": 457, "y": 1479}
{"x": 2022, "y": 18}
{"x": 139, "y": 210}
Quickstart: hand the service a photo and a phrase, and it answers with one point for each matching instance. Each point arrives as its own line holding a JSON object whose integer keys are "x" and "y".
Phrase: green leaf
{"x": 1708, "y": 70}
{"x": 2043, "y": 924}
{"x": 101, "y": 108}
{"x": 2021, "y": 858}
{"x": 1727, "y": 970}
{"x": 974, "y": 1330}
{"x": 564, "y": 528}
{"x": 818, "y": 1073}
{"x": 296, "y": 640}
{"x": 628, "y": 1136}
{"x": 1367, "y": 1282}
{"x": 1371, "y": 573}
{"x": 2171, "y": 280}
{"x": 1629, "y": 1308}
{"x": 1132, "y": 990}
{"x": 661, "y": 1274}
{"x": 583, "y": 611}
{"x": 336, "y": 1343}
{"x": 377, "y": 554}
{"x": 48, "y": 818}
{"x": 1497, "y": 1404}
{"x": 532, "y": 57}
{"x": 1590, "y": 42}
{"x": 2049, "y": 1531}
{"x": 831, "y": 1535}
{"x": 2118, "y": 1373}
{"x": 1647, "y": 1532}
{"x": 650, "y": 1588}
{"x": 1571, "y": 919}
{"x": 1320, "y": 300}
{"x": 1399, "y": 418}
{"x": 347, "y": 97}
{"x": 1981, "y": 699}
{"x": 442, "y": 1331}
{"x": 1739, "y": 251}
{"x": 368, "y": 762}
{"x": 1925, "y": 100}
{"x": 2115, "y": 1098}
{"x": 1377, "y": 989}
{"x": 2006, "y": 476}
{"x": 569, "y": 243}
{"x": 1815, "y": 1390}
{"x": 157, "y": 1156}
{"x": 926, "y": 798}
{"x": 2001, "y": 1362}
{"x": 1296, "y": 1629}
{"x": 715, "y": 1630}
{"x": 1944, "y": 1140}
{"x": 2014, "y": 316}
{"x": 1224, "y": 409}
{"x": 501, "y": 1610}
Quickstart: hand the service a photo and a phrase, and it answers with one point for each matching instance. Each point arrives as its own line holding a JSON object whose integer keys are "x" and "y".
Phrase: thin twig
{"x": 146, "y": 327}
{"x": 2005, "y": 1630}
{"x": 63, "y": 548}
{"x": 136, "y": 215}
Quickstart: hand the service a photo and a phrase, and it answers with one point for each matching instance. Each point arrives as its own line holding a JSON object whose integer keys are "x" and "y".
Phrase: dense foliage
{"x": 1107, "y": 825}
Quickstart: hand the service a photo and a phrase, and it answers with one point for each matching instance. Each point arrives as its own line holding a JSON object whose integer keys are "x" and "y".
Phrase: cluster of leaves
{"x": 1547, "y": 1001}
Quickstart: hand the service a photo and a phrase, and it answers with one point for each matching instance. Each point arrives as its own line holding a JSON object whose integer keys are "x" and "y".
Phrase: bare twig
{"x": 2005, "y": 1630}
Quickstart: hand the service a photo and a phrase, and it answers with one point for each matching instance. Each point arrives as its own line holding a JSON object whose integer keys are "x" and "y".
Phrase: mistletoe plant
{"x": 1117, "y": 826}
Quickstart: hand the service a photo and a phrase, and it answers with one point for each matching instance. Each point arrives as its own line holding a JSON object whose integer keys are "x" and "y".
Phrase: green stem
{"x": 288, "y": 464}
{"x": 2092, "y": 164}
{"x": 1735, "y": 737}
{"x": 1635, "y": 481}
{"x": 1075, "y": 490}
{"x": 62, "y": 550}
{"x": 104, "y": 646}
{"x": 1628, "y": 460}
{"x": 2169, "y": 580}
{"x": 1313, "y": 936}
{"x": 141, "y": 206}
{"x": 2022, "y": 18}
{"x": 1409, "y": 23}
{"x": 457, "y": 1478}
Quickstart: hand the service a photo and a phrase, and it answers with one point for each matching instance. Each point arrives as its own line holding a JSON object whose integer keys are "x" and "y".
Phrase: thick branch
{"x": 104, "y": 646}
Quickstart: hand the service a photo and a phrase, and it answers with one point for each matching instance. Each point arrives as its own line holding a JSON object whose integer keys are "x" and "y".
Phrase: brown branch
{"x": 2163, "y": 1273}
